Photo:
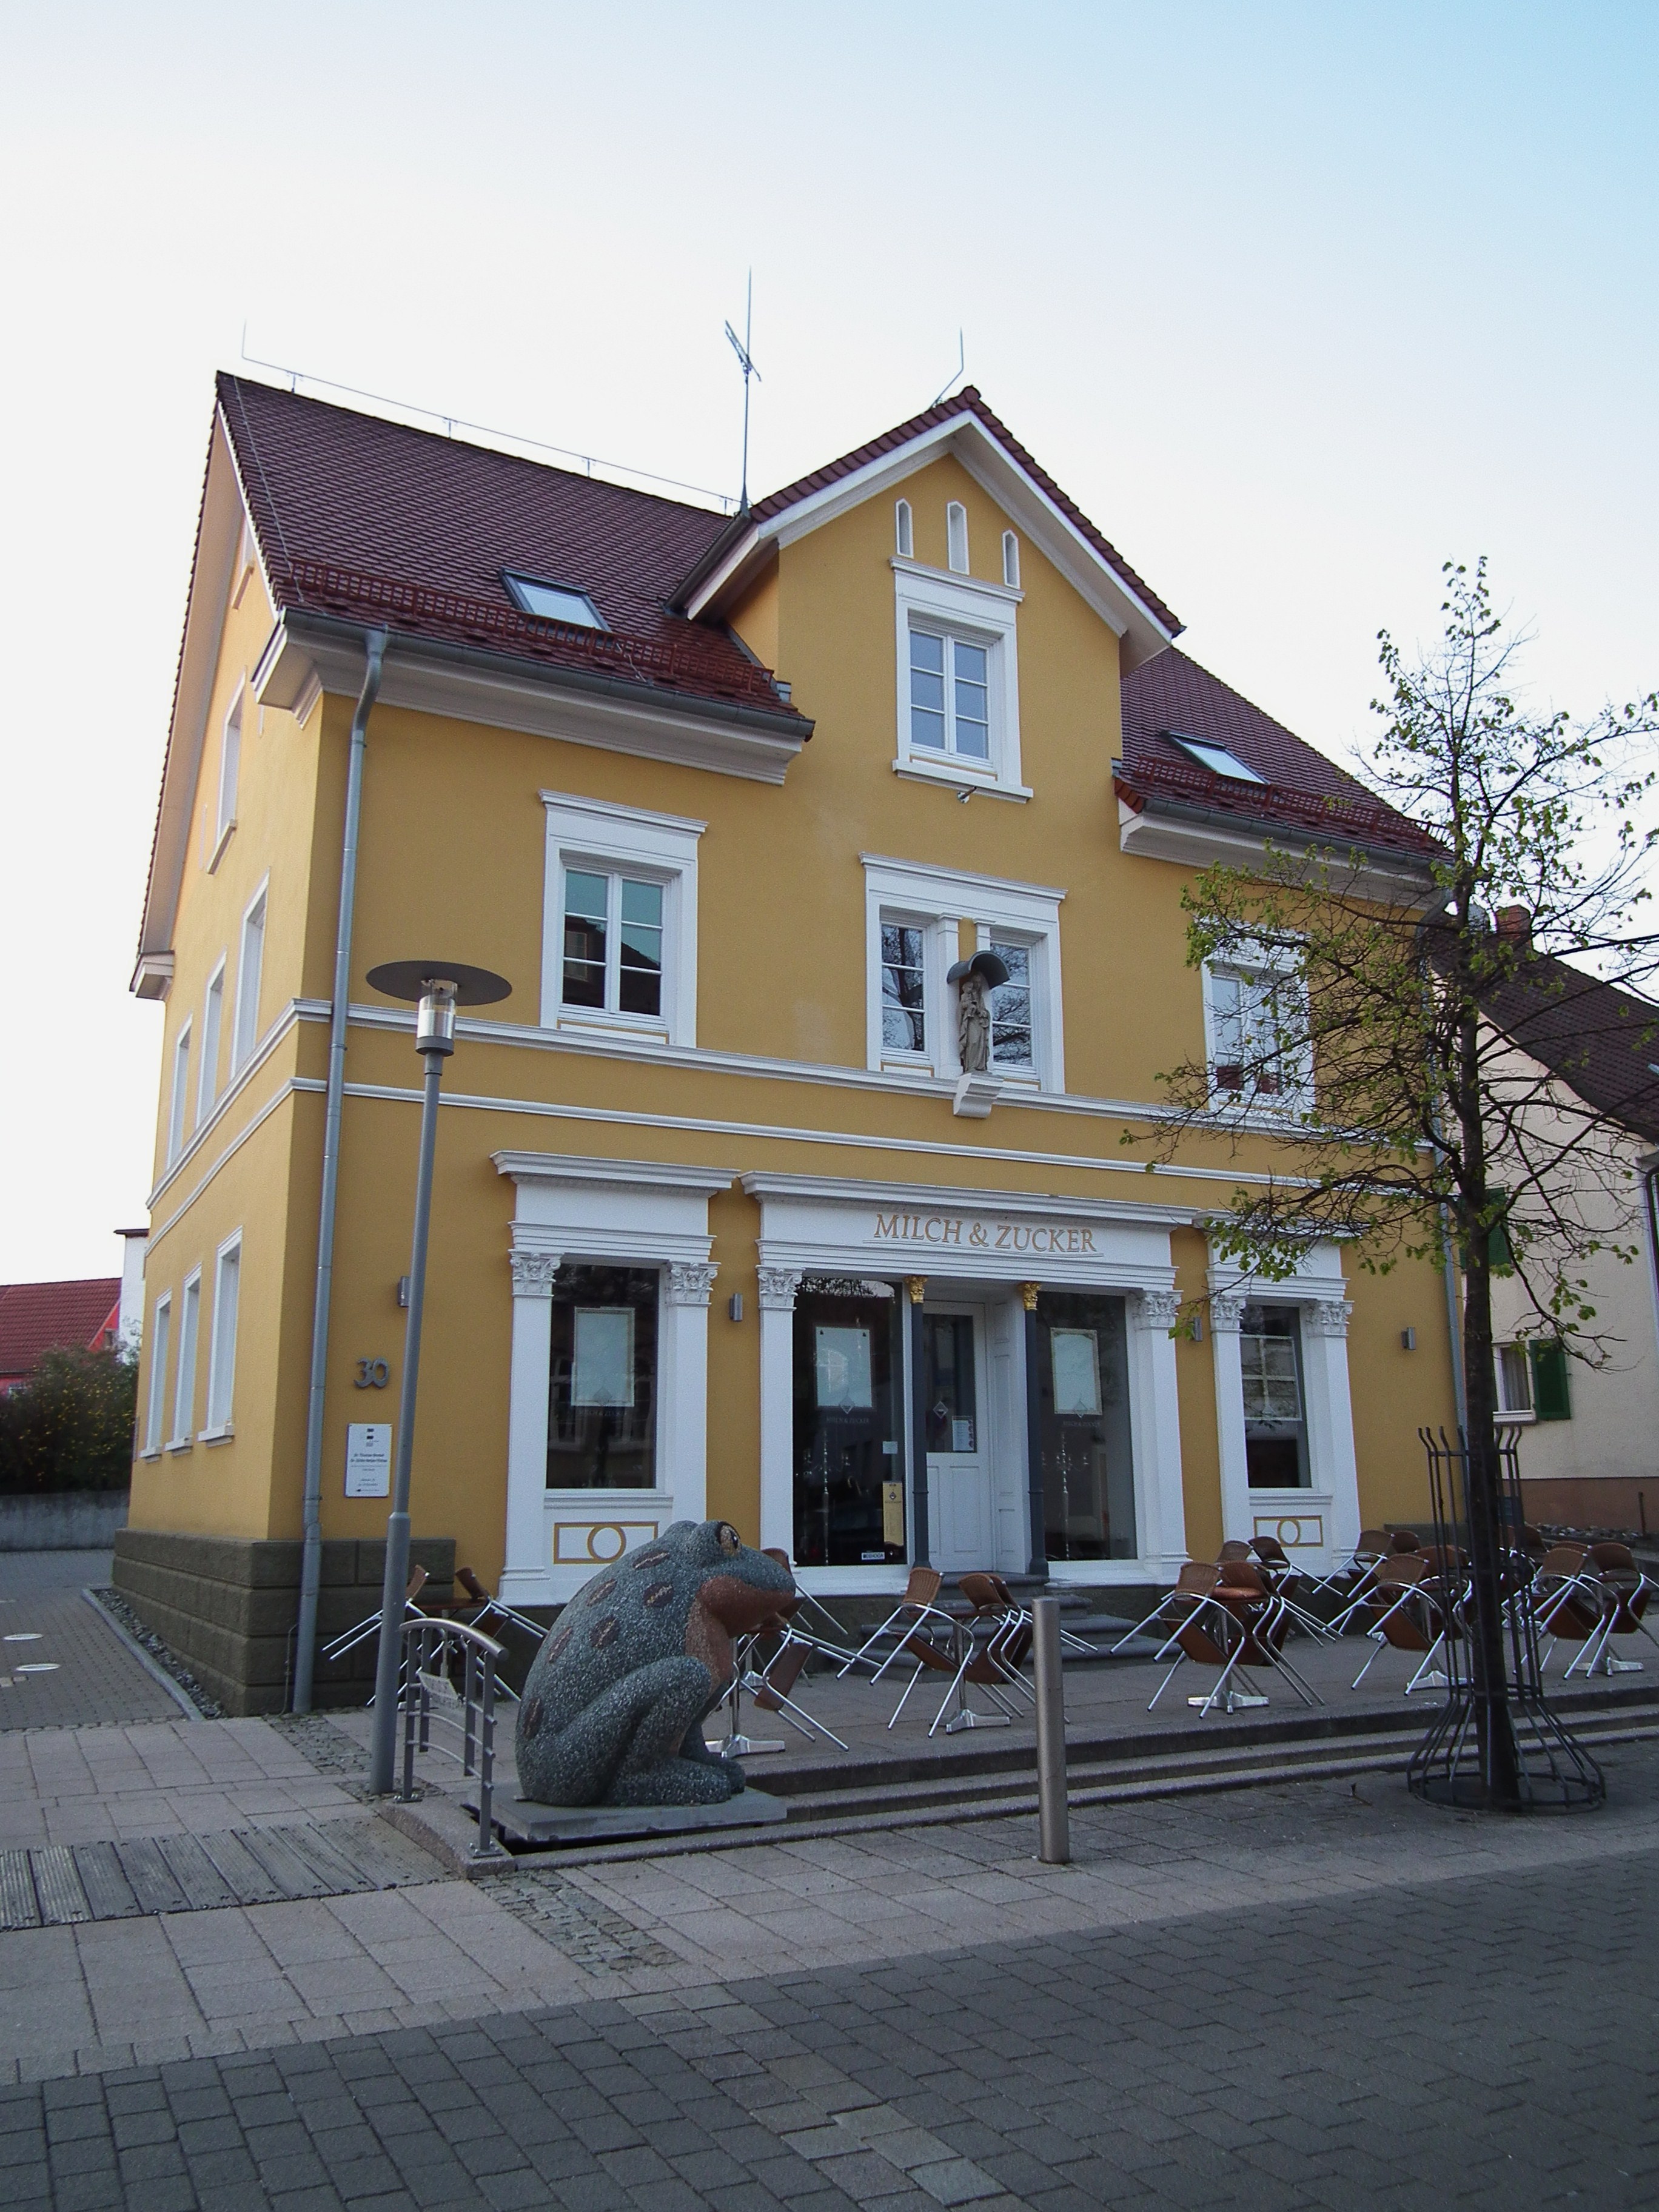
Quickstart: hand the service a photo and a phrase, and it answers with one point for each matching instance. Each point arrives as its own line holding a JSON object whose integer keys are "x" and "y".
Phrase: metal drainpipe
{"x": 311, "y": 1555}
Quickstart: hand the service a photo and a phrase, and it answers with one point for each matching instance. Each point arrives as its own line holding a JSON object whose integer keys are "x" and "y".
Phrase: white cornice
{"x": 544, "y": 701}
{"x": 835, "y": 1190}
{"x": 1154, "y": 833}
{"x": 615, "y": 1175}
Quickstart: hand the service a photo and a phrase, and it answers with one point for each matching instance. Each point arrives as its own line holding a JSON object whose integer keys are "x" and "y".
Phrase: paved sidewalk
{"x": 1468, "y": 2042}
{"x": 62, "y": 1664}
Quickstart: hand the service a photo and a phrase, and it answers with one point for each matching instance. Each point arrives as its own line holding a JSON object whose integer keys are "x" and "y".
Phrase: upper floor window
{"x": 213, "y": 1013}
{"x": 1011, "y": 559}
{"x": 613, "y": 931}
{"x": 950, "y": 694}
{"x": 249, "y": 968}
{"x": 1216, "y": 757}
{"x": 620, "y": 929}
{"x": 956, "y": 537}
{"x": 179, "y": 1103}
{"x": 221, "y": 1351}
{"x": 184, "y": 1394}
{"x": 913, "y": 919}
{"x": 904, "y": 535}
{"x": 155, "y": 1352}
{"x": 1256, "y": 1016}
{"x": 561, "y": 603}
{"x": 230, "y": 769}
{"x": 959, "y": 689}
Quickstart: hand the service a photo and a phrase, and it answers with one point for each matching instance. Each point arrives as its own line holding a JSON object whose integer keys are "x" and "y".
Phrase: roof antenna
{"x": 962, "y": 364}
{"x": 740, "y": 347}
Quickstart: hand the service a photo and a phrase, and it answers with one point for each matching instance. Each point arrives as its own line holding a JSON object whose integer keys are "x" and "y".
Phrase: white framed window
{"x": 955, "y": 537}
{"x": 958, "y": 680}
{"x": 230, "y": 771}
{"x": 619, "y": 935}
{"x": 1513, "y": 1363}
{"x": 249, "y": 967}
{"x": 914, "y": 924}
{"x": 222, "y": 1349}
{"x": 1255, "y": 1035}
{"x": 184, "y": 1392}
{"x": 213, "y": 1015}
{"x": 178, "y": 1101}
{"x": 1010, "y": 559}
{"x": 559, "y": 602}
{"x": 904, "y": 533}
{"x": 155, "y": 1410}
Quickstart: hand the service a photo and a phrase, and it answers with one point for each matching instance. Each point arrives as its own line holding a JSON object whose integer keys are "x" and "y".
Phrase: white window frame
{"x": 592, "y": 836}
{"x": 155, "y": 1409}
{"x": 938, "y": 901}
{"x": 230, "y": 773}
{"x": 245, "y": 1035}
{"x": 904, "y": 531}
{"x": 955, "y": 537}
{"x": 213, "y": 1023}
{"x": 981, "y": 614}
{"x": 1297, "y": 1097}
{"x": 179, "y": 1098}
{"x": 222, "y": 1341}
{"x": 1011, "y": 559}
{"x": 1515, "y": 1416}
{"x": 183, "y": 1386}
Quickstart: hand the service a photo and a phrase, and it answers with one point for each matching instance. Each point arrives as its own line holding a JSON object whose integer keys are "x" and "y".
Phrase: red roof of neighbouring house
{"x": 36, "y": 1316}
{"x": 377, "y": 522}
{"x": 968, "y": 401}
{"x": 1300, "y": 789}
{"x": 1601, "y": 1040}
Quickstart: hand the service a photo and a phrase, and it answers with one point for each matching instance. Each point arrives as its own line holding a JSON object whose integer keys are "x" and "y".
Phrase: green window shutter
{"x": 1550, "y": 1398}
{"x": 1499, "y": 1251}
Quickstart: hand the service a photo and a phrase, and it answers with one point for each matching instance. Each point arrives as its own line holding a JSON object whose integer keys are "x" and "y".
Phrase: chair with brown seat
{"x": 914, "y": 1610}
{"x": 1410, "y": 1611}
{"x": 1197, "y": 1578}
{"x": 1241, "y": 1623}
{"x": 1234, "y": 1548}
{"x": 1403, "y": 1540}
{"x": 1623, "y": 1591}
{"x": 1287, "y": 1580}
{"x": 1566, "y": 1600}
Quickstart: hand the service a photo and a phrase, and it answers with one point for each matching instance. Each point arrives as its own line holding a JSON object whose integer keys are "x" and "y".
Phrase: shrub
{"x": 71, "y": 1425}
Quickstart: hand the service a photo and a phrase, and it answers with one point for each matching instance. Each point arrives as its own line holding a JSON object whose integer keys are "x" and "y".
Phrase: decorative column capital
{"x": 775, "y": 1288}
{"x": 1329, "y": 1316}
{"x": 917, "y": 1286}
{"x": 688, "y": 1282}
{"x": 1226, "y": 1312}
{"x": 533, "y": 1274}
{"x": 1158, "y": 1309}
{"x": 1028, "y": 1296}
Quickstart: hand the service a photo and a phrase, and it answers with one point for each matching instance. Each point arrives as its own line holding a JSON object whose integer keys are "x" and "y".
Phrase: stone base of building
{"x": 228, "y": 1605}
{"x": 1593, "y": 1502}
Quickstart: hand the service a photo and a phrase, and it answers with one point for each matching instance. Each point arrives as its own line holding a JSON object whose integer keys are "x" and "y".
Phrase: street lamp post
{"x": 437, "y": 987}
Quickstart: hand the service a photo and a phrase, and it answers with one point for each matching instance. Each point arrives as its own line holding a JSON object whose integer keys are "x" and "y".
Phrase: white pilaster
{"x": 525, "y": 1573}
{"x": 776, "y": 1288}
{"x": 686, "y": 1284}
{"x": 1238, "y": 1519}
{"x": 1330, "y": 1416}
{"x": 1154, "y": 1428}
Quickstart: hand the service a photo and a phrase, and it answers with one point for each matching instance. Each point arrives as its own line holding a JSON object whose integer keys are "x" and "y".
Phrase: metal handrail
{"x": 426, "y": 1692}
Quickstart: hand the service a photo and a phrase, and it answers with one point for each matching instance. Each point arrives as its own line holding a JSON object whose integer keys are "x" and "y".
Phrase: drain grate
{"x": 61, "y": 1885}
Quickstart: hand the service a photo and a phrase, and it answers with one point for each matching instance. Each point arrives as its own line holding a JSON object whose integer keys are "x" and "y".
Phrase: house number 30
{"x": 373, "y": 1374}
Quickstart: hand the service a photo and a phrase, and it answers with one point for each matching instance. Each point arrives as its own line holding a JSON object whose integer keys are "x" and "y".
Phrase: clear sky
{"x": 1295, "y": 300}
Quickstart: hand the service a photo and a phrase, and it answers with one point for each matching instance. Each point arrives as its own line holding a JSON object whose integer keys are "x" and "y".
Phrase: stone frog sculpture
{"x": 613, "y": 1709}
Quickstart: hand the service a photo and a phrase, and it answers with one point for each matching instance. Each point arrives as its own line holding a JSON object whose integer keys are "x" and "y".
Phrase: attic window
{"x": 1216, "y": 758}
{"x": 534, "y": 595}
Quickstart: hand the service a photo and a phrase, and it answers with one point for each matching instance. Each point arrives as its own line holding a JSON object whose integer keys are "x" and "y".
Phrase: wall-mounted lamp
{"x": 734, "y": 1305}
{"x": 1408, "y": 1340}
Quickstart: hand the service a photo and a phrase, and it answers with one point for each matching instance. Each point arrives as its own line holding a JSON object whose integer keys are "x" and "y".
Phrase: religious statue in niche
{"x": 975, "y": 980}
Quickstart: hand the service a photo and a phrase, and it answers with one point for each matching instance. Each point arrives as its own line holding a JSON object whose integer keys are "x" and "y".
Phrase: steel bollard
{"x": 1053, "y": 1818}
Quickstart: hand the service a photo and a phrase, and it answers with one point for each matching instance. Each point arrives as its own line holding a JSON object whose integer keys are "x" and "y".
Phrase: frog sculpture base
{"x": 613, "y": 1709}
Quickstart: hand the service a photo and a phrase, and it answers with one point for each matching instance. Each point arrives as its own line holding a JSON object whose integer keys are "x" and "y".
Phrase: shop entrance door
{"x": 961, "y": 1519}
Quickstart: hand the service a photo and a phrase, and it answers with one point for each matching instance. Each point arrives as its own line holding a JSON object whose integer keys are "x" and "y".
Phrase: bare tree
{"x": 1378, "y": 1035}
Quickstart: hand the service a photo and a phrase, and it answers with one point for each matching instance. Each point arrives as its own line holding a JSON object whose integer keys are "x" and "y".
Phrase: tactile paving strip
{"x": 59, "y": 1885}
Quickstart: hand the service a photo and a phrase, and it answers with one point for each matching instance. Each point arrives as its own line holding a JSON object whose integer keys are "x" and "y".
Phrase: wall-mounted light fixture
{"x": 1408, "y": 1340}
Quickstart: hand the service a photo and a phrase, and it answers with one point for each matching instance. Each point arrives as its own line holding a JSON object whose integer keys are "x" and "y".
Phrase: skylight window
{"x": 1216, "y": 758}
{"x": 534, "y": 595}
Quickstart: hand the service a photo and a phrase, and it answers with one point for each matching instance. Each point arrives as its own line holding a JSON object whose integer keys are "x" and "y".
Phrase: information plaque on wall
{"x": 368, "y": 1460}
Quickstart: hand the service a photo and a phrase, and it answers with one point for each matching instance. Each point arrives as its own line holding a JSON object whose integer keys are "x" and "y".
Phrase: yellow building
{"x": 742, "y": 1208}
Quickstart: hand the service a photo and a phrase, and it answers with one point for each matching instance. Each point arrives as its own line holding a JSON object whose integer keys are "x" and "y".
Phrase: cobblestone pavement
{"x": 1316, "y": 1995}
{"x": 62, "y": 1665}
{"x": 1471, "y": 2043}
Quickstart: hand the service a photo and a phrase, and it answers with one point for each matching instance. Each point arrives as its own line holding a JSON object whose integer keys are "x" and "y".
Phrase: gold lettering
{"x": 1088, "y": 1240}
{"x": 1002, "y": 1236}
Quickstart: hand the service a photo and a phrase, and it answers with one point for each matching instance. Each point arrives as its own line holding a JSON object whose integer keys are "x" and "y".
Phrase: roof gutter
{"x": 413, "y": 647}
{"x": 1384, "y": 857}
{"x": 311, "y": 1552}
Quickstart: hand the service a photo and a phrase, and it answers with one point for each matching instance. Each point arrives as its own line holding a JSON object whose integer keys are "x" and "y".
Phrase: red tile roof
{"x": 1300, "y": 789}
{"x": 968, "y": 402}
{"x": 35, "y": 1316}
{"x": 379, "y": 522}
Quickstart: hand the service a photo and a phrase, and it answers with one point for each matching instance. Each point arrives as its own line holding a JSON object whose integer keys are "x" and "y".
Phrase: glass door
{"x": 960, "y": 1517}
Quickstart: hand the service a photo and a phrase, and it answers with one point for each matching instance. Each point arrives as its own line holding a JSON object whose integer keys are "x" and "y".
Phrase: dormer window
{"x": 1216, "y": 758}
{"x": 559, "y": 603}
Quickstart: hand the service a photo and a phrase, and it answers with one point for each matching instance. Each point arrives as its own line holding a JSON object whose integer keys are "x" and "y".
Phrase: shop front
{"x": 968, "y": 1380}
